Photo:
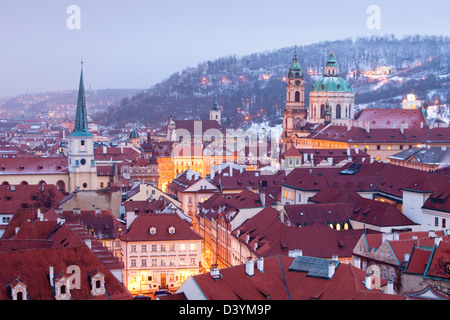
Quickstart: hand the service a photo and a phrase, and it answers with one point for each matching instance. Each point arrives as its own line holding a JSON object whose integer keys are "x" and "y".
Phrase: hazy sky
{"x": 137, "y": 43}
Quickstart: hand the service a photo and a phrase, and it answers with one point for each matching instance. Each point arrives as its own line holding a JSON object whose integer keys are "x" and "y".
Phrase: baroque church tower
{"x": 294, "y": 114}
{"x": 215, "y": 113}
{"x": 82, "y": 168}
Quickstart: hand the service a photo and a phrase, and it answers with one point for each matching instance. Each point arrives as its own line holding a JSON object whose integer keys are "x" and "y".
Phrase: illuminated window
{"x": 389, "y": 147}
{"x": 182, "y": 247}
{"x": 193, "y": 247}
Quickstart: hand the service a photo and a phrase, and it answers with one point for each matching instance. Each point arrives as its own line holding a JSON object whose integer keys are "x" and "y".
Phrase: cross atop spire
{"x": 81, "y": 123}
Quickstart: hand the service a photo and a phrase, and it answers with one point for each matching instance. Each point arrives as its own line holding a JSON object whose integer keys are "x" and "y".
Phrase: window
{"x": 143, "y": 262}
{"x": 133, "y": 262}
{"x": 152, "y": 230}
{"x": 192, "y": 261}
{"x": 299, "y": 197}
{"x": 182, "y": 247}
{"x": 443, "y": 223}
{"x": 63, "y": 289}
{"x": 163, "y": 262}
{"x": 182, "y": 262}
{"x": 171, "y": 261}
{"x": 193, "y": 247}
{"x": 171, "y": 247}
{"x": 154, "y": 248}
{"x": 322, "y": 111}
{"x": 338, "y": 111}
{"x": 436, "y": 222}
{"x": 133, "y": 248}
{"x": 163, "y": 247}
{"x": 83, "y": 142}
{"x": 154, "y": 262}
{"x": 297, "y": 96}
{"x": 144, "y": 248}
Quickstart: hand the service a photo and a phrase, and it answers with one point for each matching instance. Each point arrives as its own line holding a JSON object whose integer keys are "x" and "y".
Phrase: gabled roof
{"x": 139, "y": 229}
{"x": 307, "y": 214}
{"x": 34, "y": 165}
{"x": 32, "y": 267}
{"x": 268, "y": 236}
{"x": 385, "y": 118}
{"x": 280, "y": 282}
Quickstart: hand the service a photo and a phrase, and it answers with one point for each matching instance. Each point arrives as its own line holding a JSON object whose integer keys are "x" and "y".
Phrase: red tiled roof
{"x": 324, "y": 214}
{"x": 440, "y": 261}
{"x": 32, "y": 267}
{"x": 17, "y": 197}
{"x": 418, "y": 261}
{"x": 271, "y": 237}
{"x": 439, "y": 200}
{"x": 278, "y": 282}
{"x": 36, "y": 165}
{"x": 385, "y": 118}
{"x": 139, "y": 229}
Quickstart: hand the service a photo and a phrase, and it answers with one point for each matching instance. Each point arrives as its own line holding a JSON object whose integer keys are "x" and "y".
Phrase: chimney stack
{"x": 260, "y": 264}
{"x": 368, "y": 281}
{"x": 215, "y": 272}
{"x": 250, "y": 267}
{"x": 331, "y": 269}
{"x": 88, "y": 243}
{"x": 390, "y": 287}
{"x": 51, "y": 275}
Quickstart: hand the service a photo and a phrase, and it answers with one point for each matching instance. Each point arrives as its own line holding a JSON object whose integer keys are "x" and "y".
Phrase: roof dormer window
{"x": 97, "y": 283}
{"x": 18, "y": 290}
{"x": 171, "y": 230}
{"x": 62, "y": 289}
{"x": 152, "y": 230}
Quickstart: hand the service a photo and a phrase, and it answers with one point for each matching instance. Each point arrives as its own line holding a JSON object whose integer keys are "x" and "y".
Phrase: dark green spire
{"x": 296, "y": 70}
{"x": 215, "y": 106}
{"x": 81, "y": 124}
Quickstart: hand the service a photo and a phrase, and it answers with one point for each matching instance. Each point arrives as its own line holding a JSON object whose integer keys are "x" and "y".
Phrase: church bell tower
{"x": 82, "y": 168}
{"x": 294, "y": 114}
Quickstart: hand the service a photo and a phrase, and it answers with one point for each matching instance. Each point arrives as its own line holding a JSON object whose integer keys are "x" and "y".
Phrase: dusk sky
{"x": 138, "y": 43}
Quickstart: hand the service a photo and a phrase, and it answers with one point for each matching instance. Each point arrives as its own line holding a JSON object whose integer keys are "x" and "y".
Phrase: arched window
{"x": 338, "y": 111}
{"x": 42, "y": 183}
{"x": 24, "y": 183}
{"x": 297, "y": 96}
{"x": 322, "y": 111}
{"x": 61, "y": 186}
{"x": 5, "y": 183}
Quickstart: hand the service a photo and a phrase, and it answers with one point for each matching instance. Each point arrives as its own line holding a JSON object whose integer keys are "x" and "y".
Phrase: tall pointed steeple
{"x": 215, "y": 106}
{"x": 81, "y": 123}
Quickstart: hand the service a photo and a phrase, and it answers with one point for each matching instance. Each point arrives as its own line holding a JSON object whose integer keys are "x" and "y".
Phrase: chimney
{"x": 247, "y": 239}
{"x": 390, "y": 287}
{"x": 406, "y": 257}
{"x": 88, "y": 242}
{"x": 356, "y": 150}
{"x": 368, "y": 281}
{"x": 437, "y": 241}
{"x": 40, "y": 215}
{"x": 250, "y": 267}
{"x": 104, "y": 150}
{"x": 131, "y": 215}
{"x": 357, "y": 262}
{"x": 98, "y": 211}
{"x": 215, "y": 272}
{"x": 16, "y": 230}
{"x": 60, "y": 220}
{"x": 260, "y": 264}
{"x": 331, "y": 269}
{"x": 51, "y": 275}
{"x": 421, "y": 125}
{"x": 295, "y": 253}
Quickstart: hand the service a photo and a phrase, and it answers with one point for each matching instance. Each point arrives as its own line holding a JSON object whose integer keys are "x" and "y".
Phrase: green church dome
{"x": 331, "y": 84}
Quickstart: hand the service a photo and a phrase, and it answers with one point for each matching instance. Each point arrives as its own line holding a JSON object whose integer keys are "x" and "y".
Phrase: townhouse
{"x": 159, "y": 251}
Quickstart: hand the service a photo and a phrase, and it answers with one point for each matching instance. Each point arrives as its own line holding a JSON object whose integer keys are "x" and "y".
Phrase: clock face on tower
{"x": 83, "y": 161}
